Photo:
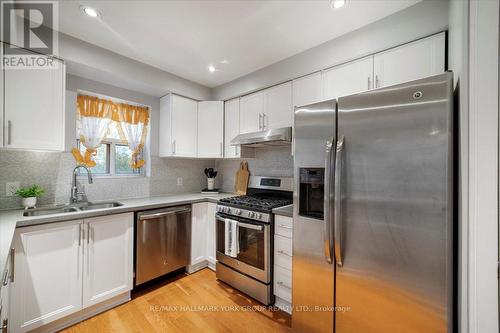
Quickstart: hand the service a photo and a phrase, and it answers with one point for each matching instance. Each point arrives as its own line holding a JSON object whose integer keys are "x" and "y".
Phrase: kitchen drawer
{"x": 283, "y": 226}
{"x": 283, "y": 283}
{"x": 283, "y": 252}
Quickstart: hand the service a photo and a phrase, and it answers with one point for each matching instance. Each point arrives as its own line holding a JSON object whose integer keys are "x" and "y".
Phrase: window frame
{"x": 111, "y": 161}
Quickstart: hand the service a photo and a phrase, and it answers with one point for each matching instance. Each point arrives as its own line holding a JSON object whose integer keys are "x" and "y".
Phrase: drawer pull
{"x": 285, "y": 226}
{"x": 285, "y": 253}
{"x": 282, "y": 284}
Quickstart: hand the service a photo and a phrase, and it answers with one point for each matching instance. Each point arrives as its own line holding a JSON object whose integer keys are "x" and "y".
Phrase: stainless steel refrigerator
{"x": 373, "y": 211}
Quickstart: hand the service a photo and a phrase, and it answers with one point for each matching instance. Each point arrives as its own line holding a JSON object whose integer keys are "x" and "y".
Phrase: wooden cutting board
{"x": 241, "y": 179}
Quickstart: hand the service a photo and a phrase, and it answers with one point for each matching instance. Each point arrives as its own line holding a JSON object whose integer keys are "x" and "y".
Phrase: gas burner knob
{"x": 260, "y": 216}
{"x": 238, "y": 212}
{"x": 250, "y": 214}
{"x": 228, "y": 210}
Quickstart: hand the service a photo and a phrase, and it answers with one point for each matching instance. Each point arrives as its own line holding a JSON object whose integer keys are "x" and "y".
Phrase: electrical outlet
{"x": 11, "y": 188}
{"x": 179, "y": 181}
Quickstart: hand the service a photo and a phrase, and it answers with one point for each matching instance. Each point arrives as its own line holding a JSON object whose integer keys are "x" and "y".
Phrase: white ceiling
{"x": 185, "y": 37}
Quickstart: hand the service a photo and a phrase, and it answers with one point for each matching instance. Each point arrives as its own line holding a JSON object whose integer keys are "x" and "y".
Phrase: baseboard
{"x": 190, "y": 269}
{"x": 81, "y": 315}
{"x": 211, "y": 264}
{"x": 283, "y": 305}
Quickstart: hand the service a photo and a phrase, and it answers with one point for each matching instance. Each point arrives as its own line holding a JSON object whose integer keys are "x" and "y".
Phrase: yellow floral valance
{"x": 94, "y": 115}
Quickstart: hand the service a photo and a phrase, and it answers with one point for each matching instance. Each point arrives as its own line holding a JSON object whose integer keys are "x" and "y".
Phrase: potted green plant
{"x": 29, "y": 195}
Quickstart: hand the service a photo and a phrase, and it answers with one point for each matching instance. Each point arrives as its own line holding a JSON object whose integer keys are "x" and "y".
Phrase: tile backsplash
{"x": 52, "y": 171}
{"x": 271, "y": 161}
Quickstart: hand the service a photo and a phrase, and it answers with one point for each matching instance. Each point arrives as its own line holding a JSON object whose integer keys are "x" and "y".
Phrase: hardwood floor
{"x": 188, "y": 303}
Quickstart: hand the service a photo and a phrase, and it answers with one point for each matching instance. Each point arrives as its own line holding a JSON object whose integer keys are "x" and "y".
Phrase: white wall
{"x": 420, "y": 20}
{"x": 92, "y": 62}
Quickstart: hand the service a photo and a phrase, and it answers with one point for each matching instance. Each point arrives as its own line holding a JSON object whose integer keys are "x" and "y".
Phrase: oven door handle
{"x": 250, "y": 226}
{"x": 241, "y": 224}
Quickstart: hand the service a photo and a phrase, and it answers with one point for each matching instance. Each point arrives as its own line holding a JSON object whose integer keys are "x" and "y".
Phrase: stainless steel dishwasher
{"x": 163, "y": 242}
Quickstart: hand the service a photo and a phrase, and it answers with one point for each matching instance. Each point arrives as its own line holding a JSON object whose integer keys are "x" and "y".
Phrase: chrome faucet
{"x": 79, "y": 196}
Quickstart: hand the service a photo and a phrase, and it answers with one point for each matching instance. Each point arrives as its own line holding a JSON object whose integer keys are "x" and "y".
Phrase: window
{"x": 122, "y": 129}
{"x": 113, "y": 159}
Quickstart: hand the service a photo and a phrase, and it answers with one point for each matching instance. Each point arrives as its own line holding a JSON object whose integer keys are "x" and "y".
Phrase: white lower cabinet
{"x": 48, "y": 275}
{"x": 59, "y": 269}
{"x": 108, "y": 270}
{"x": 202, "y": 236}
{"x": 198, "y": 236}
{"x": 283, "y": 262}
{"x": 211, "y": 234}
{"x": 5, "y": 297}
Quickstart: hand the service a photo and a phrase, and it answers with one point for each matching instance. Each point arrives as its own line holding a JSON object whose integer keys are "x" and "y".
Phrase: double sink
{"x": 70, "y": 208}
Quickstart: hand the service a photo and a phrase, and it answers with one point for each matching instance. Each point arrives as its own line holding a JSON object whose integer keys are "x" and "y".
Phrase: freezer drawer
{"x": 163, "y": 242}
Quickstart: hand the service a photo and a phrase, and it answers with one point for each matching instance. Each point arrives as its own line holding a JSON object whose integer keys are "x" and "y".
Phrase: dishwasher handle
{"x": 166, "y": 213}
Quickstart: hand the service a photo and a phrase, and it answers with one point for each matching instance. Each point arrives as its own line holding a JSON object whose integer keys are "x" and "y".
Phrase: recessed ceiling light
{"x": 211, "y": 68}
{"x": 336, "y": 4}
{"x": 90, "y": 11}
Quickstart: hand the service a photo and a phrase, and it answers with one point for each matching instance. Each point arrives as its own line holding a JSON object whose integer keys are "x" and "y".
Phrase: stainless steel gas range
{"x": 244, "y": 232}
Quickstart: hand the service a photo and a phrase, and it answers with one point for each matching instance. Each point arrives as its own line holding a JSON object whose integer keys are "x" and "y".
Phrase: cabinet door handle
{"x": 369, "y": 83}
{"x": 5, "y": 280}
{"x": 173, "y": 147}
{"x": 5, "y": 326}
{"x": 260, "y": 121}
{"x": 377, "y": 81}
{"x": 88, "y": 233}
{"x": 264, "y": 121}
{"x": 12, "y": 264}
{"x": 235, "y": 151}
{"x": 221, "y": 149}
{"x": 79, "y": 234}
{"x": 9, "y": 132}
{"x": 282, "y": 284}
{"x": 285, "y": 253}
{"x": 285, "y": 226}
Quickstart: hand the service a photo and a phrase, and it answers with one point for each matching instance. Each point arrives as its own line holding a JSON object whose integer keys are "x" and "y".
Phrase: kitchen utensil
{"x": 241, "y": 180}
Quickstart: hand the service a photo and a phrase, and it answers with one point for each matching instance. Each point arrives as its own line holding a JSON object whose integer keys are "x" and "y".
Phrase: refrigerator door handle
{"x": 338, "y": 246}
{"x": 327, "y": 237}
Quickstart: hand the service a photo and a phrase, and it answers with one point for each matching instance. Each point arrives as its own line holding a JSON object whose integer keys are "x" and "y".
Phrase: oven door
{"x": 254, "y": 240}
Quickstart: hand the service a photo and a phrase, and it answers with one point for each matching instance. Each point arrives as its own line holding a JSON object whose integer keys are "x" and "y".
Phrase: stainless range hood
{"x": 272, "y": 137}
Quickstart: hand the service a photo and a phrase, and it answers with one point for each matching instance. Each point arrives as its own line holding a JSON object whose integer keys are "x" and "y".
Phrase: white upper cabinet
{"x": 251, "y": 112}
{"x": 231, "y": 127}
{"x": 178, "y": 126}
{"x": 424, "y": 57}
{"x": 34, "y": 108}
{"x": 278, "y": 107}
{"x": 109, "y": 249}
{"x": 349, "y": 78}
{"x": 307, "y": 89}
{"x": 267, "y": 109}
{"x": 47, "y": 282}
{"x": 1, "y": 98}
{"x": 210, "y": 129}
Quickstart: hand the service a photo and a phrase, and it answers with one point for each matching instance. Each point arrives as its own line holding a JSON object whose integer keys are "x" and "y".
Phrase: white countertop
{"x": 12, "y": 219}
{"x": 284, "y": 211}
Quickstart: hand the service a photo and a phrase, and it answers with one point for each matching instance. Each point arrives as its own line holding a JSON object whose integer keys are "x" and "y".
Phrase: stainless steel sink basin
{"x": 99, "y": 205}
{"x": 71, "y": 208}
{"x": 49, "y": 211}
